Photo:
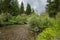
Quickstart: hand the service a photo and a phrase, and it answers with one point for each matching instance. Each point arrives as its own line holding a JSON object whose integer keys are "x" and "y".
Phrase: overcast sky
{"x": 38, "y": 5}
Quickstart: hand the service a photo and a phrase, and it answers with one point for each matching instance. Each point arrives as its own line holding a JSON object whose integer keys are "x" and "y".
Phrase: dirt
{"x": 16, "y": 32}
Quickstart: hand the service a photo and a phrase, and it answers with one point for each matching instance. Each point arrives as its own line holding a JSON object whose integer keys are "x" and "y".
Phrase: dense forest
{"x": 45, "y": 26}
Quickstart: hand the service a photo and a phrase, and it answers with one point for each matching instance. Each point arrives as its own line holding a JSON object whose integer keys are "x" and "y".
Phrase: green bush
{"x": 12, "y": 20}
{"x": 2, "y": 19}
{"x": 34, "y": 22}
{"x": 17, "y": 20}
{"x": 39, "y": 23}
{"x": 52, "y": 32}
{"x": 25, "y": 17}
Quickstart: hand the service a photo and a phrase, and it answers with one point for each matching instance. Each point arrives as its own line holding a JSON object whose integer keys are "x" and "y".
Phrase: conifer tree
{"x": 22, "y": 8}
{"x": 4, "y": 4}
{"x": 28, "y": 9}
{"x": 14, "y": 7}
{"x": 9, "y": 6}
{"x": 53, "y": 7}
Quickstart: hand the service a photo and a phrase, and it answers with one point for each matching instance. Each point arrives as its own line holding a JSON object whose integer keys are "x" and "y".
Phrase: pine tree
{"x": 22, "y": 8}
{"x": 5, "y": 5}
{"x": 0, "y": 5}
{"x": 53, "y": 7}
{"x": 9, "y": 6}
{"x": 14, "y": 7}
{"x": 28, "y": 9}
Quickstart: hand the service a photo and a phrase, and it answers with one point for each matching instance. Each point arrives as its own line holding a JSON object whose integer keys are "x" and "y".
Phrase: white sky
{"x": 39, "y": 5}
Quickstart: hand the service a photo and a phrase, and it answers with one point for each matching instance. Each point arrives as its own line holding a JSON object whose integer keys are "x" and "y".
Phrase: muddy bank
{"x": 16, "y": 32}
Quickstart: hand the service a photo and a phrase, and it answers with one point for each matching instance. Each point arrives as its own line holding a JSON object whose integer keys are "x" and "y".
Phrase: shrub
{"x": 12, "y": 20}
{"x": 52, "y": 32}
{"x": 25, "y": 17}
{"x": 20, "y": 19}
{"x": 2, "y": 19}
{"x": 34, "y": 22}
{"x": 39, "y": 23}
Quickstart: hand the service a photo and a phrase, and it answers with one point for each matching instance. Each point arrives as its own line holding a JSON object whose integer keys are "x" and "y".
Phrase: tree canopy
{"x": 28, "y": 9}
{"x": 53, "y": 7}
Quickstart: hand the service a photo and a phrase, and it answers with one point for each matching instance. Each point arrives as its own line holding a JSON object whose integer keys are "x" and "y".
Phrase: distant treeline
{"x": 12, "y": 7}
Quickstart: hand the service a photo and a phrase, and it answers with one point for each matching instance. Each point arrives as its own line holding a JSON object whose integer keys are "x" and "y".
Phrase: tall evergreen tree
{"x": 53, "y": 7}
{"x": 0, "y": 5}
{"x": 5, "y": 5}
{"x": 28, "y": 9}
{"x": 14, "y": 7}
{"x": 22, "y": 8}
{"x": 9, "y": 6}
